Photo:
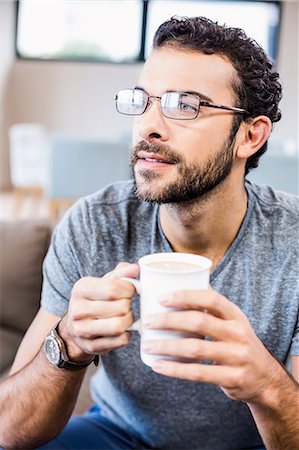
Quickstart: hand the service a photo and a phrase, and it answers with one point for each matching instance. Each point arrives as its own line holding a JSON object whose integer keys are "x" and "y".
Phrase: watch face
{"x": 52, "y": 350}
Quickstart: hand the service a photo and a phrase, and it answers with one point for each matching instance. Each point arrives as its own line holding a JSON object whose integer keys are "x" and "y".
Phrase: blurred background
{"x": 63, "y": 61}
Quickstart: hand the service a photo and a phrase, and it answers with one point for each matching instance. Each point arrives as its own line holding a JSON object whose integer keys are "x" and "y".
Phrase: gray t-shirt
{"x": 259, "y": 273}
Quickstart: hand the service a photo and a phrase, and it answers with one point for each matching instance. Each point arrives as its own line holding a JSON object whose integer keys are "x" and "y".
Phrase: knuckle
{"x": 120, "y": 325}
{"x": 244, "y": 355}
{"x": 239, "y": 379}
{"x": 91, "y": 347}
{"x": 129, "y": 291}
{"x": 78, "y": 331}
{"x": 195, "y": 349}
{"x": 77, "y": 288}
{"x": 75, "y": 310}
{"x": 214, "y": 299}
{"x": 104, "y": 349}
{"x": 235, "y": 380}
{"x": 240, "y": 333}
{"x": 124, "y": 339}
{"x": 198, "y": 320}
{"x": 124, "y": 307}
{"x": 112, "y": 290}
{"x": 196, "y": 374}
{"x": 80, "y": 286}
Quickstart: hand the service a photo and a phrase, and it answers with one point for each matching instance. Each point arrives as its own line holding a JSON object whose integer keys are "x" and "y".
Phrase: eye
{"x": 188, "y": 104}
{"x": 187, "y": 107}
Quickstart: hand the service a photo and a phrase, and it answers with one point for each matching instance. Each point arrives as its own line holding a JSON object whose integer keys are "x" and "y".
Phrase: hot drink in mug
{"x": 161, "y": 273}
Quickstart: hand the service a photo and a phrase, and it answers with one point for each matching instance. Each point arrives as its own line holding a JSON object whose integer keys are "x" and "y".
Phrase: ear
{"x": 255, "y": 134}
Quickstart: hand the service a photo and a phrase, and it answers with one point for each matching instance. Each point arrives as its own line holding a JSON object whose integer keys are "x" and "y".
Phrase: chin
{"x": 148, "y": 190}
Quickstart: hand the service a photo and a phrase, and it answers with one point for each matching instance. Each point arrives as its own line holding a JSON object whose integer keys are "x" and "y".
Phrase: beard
{"x": 193, "y": 181}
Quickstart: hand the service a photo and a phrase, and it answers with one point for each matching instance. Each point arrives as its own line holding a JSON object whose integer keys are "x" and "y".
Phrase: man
{"x": 204, "y": 107}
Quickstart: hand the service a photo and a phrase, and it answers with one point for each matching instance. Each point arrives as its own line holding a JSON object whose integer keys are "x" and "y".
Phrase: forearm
{"x": 277, "y": 417}
{"x": 36, "y": 403}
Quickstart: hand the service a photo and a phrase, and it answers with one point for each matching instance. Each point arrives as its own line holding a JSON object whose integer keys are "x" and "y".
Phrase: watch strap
{"x": 65, "y": 362}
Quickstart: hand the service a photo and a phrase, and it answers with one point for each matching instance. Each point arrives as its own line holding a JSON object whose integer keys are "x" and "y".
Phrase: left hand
{"x": 242, "y": 366}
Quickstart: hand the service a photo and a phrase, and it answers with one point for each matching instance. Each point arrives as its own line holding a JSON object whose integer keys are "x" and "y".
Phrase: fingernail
{"x": 148, "y": 322}
{"x": 147, "y": 347}
{"x": 158, "y": 366}
{"x": 165, "y": 299}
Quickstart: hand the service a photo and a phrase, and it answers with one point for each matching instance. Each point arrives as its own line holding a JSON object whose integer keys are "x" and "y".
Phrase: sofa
{"x": 23, "y": 246}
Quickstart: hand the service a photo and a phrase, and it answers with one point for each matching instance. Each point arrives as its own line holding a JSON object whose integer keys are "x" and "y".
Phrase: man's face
{"x": 181, "y": 160}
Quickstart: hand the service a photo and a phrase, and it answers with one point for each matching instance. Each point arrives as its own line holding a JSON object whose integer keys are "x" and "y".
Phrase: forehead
{"x": 176, "y": 69}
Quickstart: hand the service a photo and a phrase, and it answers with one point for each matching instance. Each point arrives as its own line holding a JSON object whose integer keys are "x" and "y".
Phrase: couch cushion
{"x": 23, "y": 247}
{"x": 10, "y": 340}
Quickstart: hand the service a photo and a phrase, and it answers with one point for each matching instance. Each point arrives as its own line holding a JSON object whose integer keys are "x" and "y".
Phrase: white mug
{"x": 163, "y": 273}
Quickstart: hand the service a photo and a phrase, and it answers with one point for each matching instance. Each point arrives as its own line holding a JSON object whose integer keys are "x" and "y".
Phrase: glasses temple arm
{"x": 229, "y": 108}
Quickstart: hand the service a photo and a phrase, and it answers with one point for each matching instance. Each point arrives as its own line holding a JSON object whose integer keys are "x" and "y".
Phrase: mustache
{"x": 155, "y": 147}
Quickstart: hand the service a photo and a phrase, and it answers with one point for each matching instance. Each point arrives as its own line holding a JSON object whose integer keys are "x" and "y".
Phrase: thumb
{"x": 124, "y": 269}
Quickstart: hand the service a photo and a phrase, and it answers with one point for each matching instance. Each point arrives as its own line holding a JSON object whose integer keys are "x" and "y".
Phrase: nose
{"x": 151, "y": 125}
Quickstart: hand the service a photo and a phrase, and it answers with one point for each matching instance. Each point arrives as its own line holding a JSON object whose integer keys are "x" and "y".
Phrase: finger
{"x": 103, "y": 345}
{"x": 194, "y": 349}
{"x": 102, "y": 289}
{"x": 124, "y": 269}
{"x": 207, "y": 299}
{"x": 90, "y": 309}
{"x": 192, "y": 322}
{"x": 205, "y": 373}
{"x": 92, "y": 329}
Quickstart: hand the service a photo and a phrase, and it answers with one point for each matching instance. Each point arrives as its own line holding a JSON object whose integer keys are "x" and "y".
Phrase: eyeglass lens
{"x": 178, "y": 105}
{"x": 175, "y": 105}
{"x": 131, "y": 101}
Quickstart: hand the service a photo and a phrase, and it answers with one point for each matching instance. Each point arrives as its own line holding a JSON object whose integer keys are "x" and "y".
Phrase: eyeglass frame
{"x": 201, "y": 103}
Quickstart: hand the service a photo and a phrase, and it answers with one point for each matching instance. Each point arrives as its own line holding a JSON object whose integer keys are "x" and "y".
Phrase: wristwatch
{"x": 56, "y": 353}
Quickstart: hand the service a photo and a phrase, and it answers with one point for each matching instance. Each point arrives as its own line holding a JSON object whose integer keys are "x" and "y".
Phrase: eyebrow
{"x": 202, "y": 96}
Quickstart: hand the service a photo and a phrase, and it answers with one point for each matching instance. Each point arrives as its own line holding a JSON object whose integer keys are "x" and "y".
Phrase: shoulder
{"x": 273, "y": 228}
{"x": 280, "y": 207}
{"x": 112, "y": 210}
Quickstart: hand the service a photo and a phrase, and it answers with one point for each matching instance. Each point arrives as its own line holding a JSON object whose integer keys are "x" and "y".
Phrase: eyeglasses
{"x": 174, "y": 105}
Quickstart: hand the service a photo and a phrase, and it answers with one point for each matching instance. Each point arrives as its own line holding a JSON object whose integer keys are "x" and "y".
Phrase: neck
{"x": 206, "y": 226}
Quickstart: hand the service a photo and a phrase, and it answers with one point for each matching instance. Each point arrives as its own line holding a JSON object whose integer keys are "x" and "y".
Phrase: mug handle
{"x": 136, "y": 326}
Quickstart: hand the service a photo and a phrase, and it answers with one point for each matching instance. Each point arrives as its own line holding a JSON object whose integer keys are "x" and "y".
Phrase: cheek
{"x": 198, "y": 147}
{"x": 135, "y": 131}
{"x": 205, "y": 137}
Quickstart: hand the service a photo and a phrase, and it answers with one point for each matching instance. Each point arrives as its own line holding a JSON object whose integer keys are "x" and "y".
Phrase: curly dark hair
{"x": 257, "y": 88}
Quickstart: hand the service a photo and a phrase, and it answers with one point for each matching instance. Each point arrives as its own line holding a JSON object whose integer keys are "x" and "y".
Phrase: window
{"x": 122, "y": 30}
{"x": 259, "y": 20}
{"x": 80, "y": 30}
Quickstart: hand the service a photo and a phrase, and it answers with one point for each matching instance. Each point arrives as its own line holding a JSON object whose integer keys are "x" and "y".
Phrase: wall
{"x": 78, "y": 98}
{"x": 288, "y": 54}
{"x": 7, "y": 58}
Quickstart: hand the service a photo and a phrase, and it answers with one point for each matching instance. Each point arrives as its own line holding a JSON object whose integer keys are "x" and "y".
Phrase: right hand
{"x": 99, "y": 314}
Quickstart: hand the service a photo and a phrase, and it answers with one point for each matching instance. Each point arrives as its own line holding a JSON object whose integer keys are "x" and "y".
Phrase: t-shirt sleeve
{"x": 63, "y": 263}
{"x": 294, "y": 351}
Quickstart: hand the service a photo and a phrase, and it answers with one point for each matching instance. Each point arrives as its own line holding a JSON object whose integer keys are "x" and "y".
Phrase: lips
{"x": 153, "y": 157}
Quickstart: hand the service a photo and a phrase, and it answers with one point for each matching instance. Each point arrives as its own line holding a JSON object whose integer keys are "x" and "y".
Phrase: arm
{"x": 277, "y": 417}
{"x": 37, "y": 399}
{"x": 35, "y": 386}
{"x": 243, "y": 367}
